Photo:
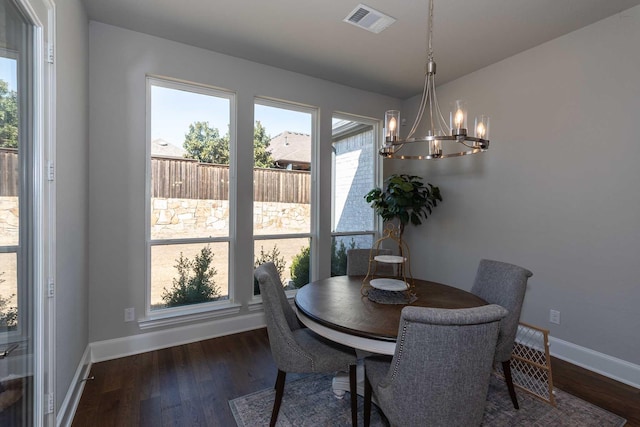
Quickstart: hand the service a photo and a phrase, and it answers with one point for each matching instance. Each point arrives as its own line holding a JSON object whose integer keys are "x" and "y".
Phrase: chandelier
{"x": 430, "y": 136}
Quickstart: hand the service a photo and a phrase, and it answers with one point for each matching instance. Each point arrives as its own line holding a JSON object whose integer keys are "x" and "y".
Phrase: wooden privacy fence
{"x": 9, "y": 176}
{"x": 190, "y": 179}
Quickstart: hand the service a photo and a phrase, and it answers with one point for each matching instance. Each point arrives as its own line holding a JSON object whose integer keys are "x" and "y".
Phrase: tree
{"x": 339, "y": 257}
{"x": 262, "y": 157}
{"x": 195, "y": 282}
{"x": 269, "y": 256}
{"x": 8, "y": 116}
{"x": 300, "y": 267}
{"x": 204, "y": 143}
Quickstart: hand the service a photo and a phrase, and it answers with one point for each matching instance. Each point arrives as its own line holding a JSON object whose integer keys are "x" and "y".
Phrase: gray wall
{"x": 558, "y": 192}
{"x": 72, "y": 135}
{"x": 118, "y": 63}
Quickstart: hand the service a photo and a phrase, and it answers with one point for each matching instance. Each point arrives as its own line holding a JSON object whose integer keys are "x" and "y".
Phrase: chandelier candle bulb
{"x": 458, "y": 118}
{"x": 391, "y": 121}
{"x": 482, "y": 127}
{"x": 435, "y": 148}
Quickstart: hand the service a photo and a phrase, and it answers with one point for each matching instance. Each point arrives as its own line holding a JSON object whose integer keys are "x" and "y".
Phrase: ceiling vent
{"x": 370, "y": 19}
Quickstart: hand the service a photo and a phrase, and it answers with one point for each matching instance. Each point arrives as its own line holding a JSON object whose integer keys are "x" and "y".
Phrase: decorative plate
{"x": 389, "y": 284}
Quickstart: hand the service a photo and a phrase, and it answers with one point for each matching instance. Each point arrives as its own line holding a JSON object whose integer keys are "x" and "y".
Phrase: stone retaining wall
{"x": 186, "y": 218}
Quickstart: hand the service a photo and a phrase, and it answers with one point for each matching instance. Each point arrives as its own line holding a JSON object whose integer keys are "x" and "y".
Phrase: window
{"x": 282, "y": 194}
{"x": 24, "y": 143}
{"x": 12, "y": 158}
{"x": 354, "y": 173}
{"x": 191, "y": 146}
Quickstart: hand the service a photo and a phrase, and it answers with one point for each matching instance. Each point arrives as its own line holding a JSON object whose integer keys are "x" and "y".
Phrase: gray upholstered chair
{"x": 503, "y": 284}
{"x": 358, "y": 262}
{"x": 440, "y": 372}
{"x": 298, "y": 349}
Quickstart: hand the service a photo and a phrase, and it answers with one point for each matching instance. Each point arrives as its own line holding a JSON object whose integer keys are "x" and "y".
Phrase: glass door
{"x": 16, "y": 217}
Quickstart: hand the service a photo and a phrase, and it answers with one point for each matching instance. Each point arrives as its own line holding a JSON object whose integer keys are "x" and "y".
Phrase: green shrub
{"x": 8, "y": 314}
{"x": 272, "y": 256}
{"x": 339, "y": 257}
{"x": 194, "y": 283}
{"x": 300, "y": 267}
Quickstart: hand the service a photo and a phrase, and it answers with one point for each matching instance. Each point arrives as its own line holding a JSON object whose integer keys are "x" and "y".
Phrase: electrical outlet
{"x": 554, "y": 316}
{"x": 129, "y": 314}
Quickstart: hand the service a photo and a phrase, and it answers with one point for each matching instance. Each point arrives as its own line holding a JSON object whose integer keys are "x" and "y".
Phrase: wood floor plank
{"x": 612, "y": 395}
{"x": 191, "y": 385}
{"x": 150, "y": 412}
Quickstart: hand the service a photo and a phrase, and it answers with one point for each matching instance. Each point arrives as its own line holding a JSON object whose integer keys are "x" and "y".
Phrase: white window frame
{"x": 312, "y": 235}
{"x": 188, "y": 313}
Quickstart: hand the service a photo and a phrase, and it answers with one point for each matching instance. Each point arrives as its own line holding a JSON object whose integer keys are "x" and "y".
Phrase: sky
{"x": 8, "y": 72}
{"x": 174, "y": 110}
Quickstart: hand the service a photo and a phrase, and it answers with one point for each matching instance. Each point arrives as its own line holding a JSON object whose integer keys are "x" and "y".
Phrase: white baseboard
{"x": 603, "y": 364}
{"x": 67, "y": 410}
{"x": 136, "y": 344}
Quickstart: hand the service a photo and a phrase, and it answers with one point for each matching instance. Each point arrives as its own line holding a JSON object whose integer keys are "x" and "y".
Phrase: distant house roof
{"x": 162, "y": 148}
{"x": 291, "y": 150}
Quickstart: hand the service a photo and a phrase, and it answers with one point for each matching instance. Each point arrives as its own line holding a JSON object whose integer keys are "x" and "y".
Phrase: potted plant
{"x": 405, "y": 198}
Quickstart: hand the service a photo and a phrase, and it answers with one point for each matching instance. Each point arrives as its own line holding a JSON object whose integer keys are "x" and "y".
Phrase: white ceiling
{"x": 309, "y": 36}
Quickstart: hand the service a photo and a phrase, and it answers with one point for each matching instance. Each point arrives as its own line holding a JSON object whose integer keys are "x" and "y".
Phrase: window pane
{"x": 8, "y": 293}
{"x": 9, "y": 205}
{"x": 189, "y": 164}
{"x": 291, "y": 257}
{"x": 354, "y": 145}
{"x": 9, "y": 163}
{"x": 339, "y": 247}
{"x": 282, "y": 180}
{"x": 189, "y": 274}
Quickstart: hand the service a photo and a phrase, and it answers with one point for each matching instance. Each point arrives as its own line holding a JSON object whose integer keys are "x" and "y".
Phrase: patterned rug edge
{"x": 561, "y": 396}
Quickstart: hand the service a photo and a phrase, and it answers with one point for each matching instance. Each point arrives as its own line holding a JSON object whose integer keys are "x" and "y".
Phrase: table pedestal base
{"x": 340, "y": 383}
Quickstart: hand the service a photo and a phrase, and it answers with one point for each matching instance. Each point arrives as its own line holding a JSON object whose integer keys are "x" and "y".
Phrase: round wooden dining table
{"x": 336, "y": 309}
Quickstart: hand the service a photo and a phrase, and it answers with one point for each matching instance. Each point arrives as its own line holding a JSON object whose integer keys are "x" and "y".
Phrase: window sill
{"x": 187, "y": 314}
{"x": 255, "y": 304}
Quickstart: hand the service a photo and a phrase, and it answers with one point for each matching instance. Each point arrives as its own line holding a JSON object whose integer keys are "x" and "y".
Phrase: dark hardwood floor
{"x": 190, "y": 385}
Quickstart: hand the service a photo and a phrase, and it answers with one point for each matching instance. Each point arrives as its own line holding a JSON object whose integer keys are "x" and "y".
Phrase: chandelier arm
{"x": 430, "y": 96}
{"x": 421, "y": 109}
{"x": 442, "y": 122}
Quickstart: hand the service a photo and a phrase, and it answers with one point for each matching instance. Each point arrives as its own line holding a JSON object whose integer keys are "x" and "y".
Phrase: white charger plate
{"x": 389, "y": 284}
{"x": 391, "y": 259}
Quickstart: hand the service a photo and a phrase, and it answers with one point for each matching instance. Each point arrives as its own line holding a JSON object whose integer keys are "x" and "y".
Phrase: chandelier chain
{"x": 430, "y": 33}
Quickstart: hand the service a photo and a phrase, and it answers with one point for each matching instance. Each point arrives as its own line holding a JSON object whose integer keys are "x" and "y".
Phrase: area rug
{"x": 309, "y": 401}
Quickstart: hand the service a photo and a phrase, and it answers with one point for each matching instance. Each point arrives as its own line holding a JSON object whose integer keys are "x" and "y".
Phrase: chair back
{"x": 440, "y": 372}
{"x": 503, "y": 284}
{"x": 358, "y": 262}
{"x": 280, "y": 318}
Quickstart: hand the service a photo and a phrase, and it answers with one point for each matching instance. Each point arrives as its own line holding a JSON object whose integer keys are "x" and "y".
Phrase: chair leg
{"x": 353, "y": 388}
{"x": 279, "y": 392}
{"x": 506, "y": 368}
{"x": 367, "y": 401}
